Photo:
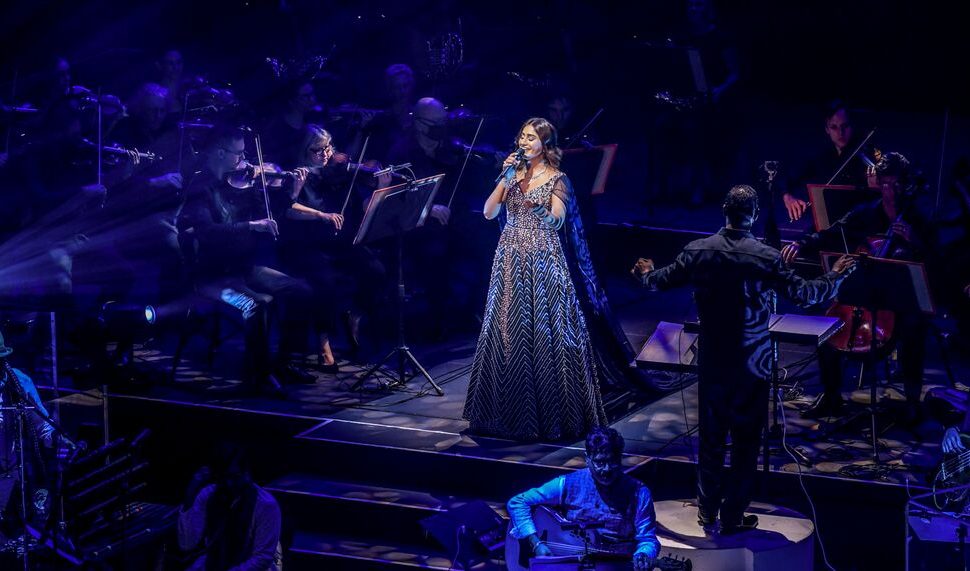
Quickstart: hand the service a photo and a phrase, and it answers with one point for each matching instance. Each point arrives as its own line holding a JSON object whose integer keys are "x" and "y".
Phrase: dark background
{"x": 899, "y": 64}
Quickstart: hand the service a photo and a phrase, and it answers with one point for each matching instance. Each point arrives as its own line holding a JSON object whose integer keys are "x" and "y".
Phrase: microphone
{"x": 519, "y": 158}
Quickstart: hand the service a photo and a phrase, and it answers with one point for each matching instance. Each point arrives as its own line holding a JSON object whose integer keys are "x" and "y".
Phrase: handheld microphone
{"x": 519, "y": 158}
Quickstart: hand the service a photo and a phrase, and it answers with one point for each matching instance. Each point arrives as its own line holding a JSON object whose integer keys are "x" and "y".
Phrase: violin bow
{"x": 185, "y": 110}
{"x": 849, "y": 158}
{"x": 100, "y": 137}
{"x": 939, "y": 171}
{"x": 468, "y": 154}
{"x": 578, "y": 136}
{"x": 262, "y": 178}
{"x": 13, "y": 99}
{"x": 353, "y": 179}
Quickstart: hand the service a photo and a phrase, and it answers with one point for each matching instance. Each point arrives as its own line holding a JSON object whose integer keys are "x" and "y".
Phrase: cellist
{"x": 889, "y": 227}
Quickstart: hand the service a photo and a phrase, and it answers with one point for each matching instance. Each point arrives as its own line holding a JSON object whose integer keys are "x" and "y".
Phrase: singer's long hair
{"x": 550, "y": 142}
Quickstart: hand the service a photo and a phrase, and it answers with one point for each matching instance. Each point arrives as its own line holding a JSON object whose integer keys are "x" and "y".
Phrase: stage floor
{"x": 413, "y": 416}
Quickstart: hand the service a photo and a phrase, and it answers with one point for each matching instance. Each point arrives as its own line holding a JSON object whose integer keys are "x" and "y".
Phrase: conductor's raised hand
{"x": 643, "y": 266}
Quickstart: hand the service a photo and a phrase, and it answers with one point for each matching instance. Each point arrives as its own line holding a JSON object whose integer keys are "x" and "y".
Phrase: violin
{"x": 341, "y": 160}
{"x": 248, "y": 175}
{"x": 121, "y": 152}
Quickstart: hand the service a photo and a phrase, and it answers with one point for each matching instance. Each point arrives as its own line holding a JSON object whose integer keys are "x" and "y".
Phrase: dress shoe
{"x": 825, "y": 406}
{"x": 746, "y": 523}
{"x": 705, "y": 519}
{"x": 331, "y": 369}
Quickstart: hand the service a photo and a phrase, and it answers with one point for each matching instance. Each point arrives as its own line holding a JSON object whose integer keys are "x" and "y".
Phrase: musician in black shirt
{"x": 824, "y": 166}
{"x": 230, "y": 234}
{"x": 895, "y": 214}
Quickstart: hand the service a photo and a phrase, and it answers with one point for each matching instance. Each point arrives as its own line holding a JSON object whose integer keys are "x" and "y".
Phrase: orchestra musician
{"x": 317, "y": 241}
{"x": 230, "y": 233}
{"x": 821, "y": 168}
{"x": 894, "y": 215}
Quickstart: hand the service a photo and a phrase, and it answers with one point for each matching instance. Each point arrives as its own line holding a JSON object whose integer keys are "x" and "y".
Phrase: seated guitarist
{"x": 599, "y": 493}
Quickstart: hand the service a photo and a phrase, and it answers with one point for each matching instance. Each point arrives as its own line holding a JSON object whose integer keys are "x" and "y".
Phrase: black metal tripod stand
{"x": 402, "y": 351}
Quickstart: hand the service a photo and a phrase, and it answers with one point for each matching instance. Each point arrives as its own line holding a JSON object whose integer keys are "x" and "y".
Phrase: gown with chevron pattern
{"x": 534, "y": 375}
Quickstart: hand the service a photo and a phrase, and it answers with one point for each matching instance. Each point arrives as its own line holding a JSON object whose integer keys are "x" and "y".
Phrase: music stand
{"x": 392, "y": 212}
{"x": 590, "y": 168}
{"x": 882, "y": 284}
{"x": 830, "y": 202}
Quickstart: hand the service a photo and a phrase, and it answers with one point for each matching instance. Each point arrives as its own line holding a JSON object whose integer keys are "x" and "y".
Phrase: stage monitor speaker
{"x": 671, "y": 347}
{"x": 474, "y": 531}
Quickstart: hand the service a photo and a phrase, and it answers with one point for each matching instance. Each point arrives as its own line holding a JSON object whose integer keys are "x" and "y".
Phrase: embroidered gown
{"x": 533, "y": 376}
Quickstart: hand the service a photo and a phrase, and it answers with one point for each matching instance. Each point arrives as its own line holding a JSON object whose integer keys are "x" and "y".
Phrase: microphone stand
{"x": 21, "y": 410}
{"x": 772, "y": 232}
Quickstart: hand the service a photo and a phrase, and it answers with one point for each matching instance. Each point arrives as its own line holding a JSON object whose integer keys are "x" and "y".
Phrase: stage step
{"x": 448, "y": 462}
{"x": 311, "y": 551}
{"x": 314, "y": 504}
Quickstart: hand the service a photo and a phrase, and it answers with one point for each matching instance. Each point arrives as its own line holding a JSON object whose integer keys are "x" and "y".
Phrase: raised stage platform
{"x": 356, "y": 472}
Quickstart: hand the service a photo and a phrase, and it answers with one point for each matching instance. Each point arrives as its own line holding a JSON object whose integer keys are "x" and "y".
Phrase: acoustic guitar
{"x": 576, "y": 546}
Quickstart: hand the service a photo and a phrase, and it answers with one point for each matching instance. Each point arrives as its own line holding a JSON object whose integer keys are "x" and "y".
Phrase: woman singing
{"x": 533, "y": 376}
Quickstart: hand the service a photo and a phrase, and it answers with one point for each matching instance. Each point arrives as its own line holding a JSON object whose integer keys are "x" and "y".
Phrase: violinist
{"x": 894, "y": 216}
{"x": 426, "y": 146}
{"x": 843, "y": 140}
{"x": 229, "y": 236}
{"x": 318, "y": 235}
